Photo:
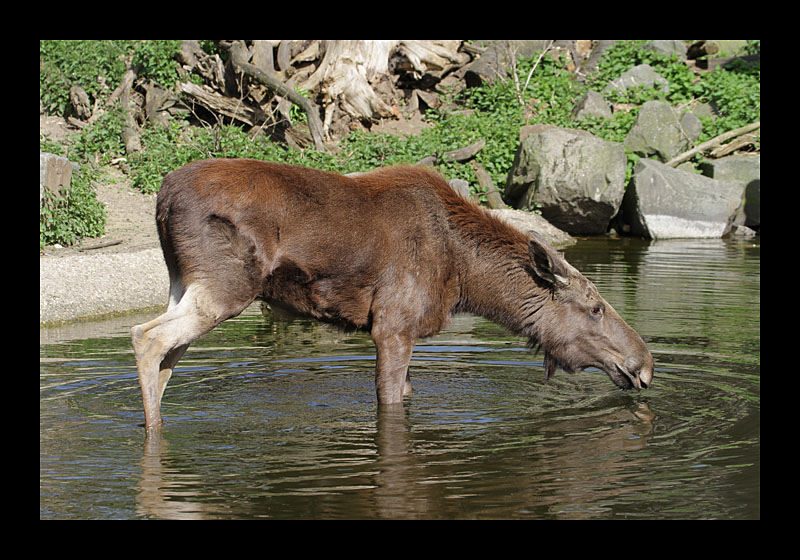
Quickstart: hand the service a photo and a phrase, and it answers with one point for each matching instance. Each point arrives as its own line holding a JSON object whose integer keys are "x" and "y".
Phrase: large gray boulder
{"x": 660, "y": 132}
{"x": 662, "y": 202}
{"x": 592, "y": 104}
{"x": 497, "y": 58}
{"x": 740, "y": 168}
{"x": 577, "y": 179}
{"x": 667, "y": 47}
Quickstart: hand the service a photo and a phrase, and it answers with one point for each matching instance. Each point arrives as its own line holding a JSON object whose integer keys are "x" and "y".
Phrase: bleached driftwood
{"x": 345, "y": 75}
{"x": 431, "y": 57}
{"x": 228, "y": 106}
{"x": 713, "y": 143}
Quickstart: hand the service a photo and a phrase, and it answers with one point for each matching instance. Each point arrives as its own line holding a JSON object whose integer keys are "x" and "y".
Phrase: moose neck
{"x": 496, "y": 284}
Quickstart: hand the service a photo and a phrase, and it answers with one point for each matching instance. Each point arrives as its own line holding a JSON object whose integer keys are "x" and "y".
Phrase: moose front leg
{"x": 392, "y": 380}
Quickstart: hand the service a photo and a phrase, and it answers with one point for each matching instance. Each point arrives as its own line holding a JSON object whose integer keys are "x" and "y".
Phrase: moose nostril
{"x": 646, "y": 377}
{"x": 643, "y": 373}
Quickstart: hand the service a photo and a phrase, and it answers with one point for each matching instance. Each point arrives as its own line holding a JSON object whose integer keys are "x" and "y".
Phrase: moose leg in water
{"x": 392, "y": 380}
{"x": 217, "y": 287}
{"x": 160, "y": 343}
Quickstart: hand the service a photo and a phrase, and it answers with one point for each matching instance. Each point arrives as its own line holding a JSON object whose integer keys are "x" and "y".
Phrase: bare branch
{"x": 239, "y": 60}
{"x": 713, "y": 142}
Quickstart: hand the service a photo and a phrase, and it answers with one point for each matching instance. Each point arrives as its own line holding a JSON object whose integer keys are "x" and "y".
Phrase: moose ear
{"x": 546, "y": 263}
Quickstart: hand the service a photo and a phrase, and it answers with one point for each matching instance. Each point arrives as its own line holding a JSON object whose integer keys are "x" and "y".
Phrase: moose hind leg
{"x": 176, "y": 291}
{"x": 160, "y": 343}
{"x": 166, "y": 367}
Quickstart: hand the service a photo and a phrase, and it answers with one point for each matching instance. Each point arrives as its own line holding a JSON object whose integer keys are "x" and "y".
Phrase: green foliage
{"x": 735, "y": 93}
{"x": 102, "y": 140}
{"x": 157, "y": 59}
{"x": 624, "y": 55}
{"x": 68, "y": 217}
{"x": 551, "y": 92}
{"x": 753, "y": 47}
{"x": 98, "y": 66}
{"x": 166, "y": 148}
{"x": 296, "y": 113}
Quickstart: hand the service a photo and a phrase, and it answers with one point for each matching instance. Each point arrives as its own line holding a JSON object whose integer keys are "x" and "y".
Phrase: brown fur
{"x": 395, "y": 252}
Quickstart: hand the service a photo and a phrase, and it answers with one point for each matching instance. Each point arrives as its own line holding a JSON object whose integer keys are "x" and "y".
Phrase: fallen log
{"x": 736, "y": 144}
{"x": 486, "y": 183}
{"x": 432, "y": 58}
{"x": 111, "y": 243}
{"x": 130, "y": 132}
{"x": 713, "y": 143}
{"x": 239, "y": 59}
{"x": 460, "y": 155}
{"x": 210, "y": 67}
{"x": 216, "y": 103}
{"x": 464, "y": 154}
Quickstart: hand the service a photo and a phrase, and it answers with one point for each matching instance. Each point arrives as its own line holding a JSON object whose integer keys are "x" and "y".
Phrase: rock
{"x": 460, "y": 186}
{"x": 742, "y": 231}
{"x": 740, "y": 168}
{"x": 691, "y": 125}
{"x": 55, "y": 173}
{"x": 659, "y": 132}
{"x": 576, "y": 178}
{"x": 589, "y": 64}
{"x": 662, "y": 202}
{"x": 591, "y": 104}
{"x": 493, "y": 64}
{"x": 638, "y": 76}
{"x": 528, "y": 129}
{"x": 727, "y": 47}
{"x": 703, "y": 110}
{"x": 528, "y": 221}
{"x": 667, "y": 47}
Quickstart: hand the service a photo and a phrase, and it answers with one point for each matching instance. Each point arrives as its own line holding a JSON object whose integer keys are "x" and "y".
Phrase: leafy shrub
{"x": 66, "y": 218}
{"x": 98, "y": 66}
{"x": 735, "y": 93}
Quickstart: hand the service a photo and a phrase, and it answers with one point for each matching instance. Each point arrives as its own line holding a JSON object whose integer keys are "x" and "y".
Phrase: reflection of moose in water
{"x": 395, "y": 252}
{"x": 555, "y": 463}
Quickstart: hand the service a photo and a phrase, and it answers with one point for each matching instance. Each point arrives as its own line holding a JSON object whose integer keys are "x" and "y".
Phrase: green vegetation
{"x": 492, "y": 112}
{"x": 64, "y": 218}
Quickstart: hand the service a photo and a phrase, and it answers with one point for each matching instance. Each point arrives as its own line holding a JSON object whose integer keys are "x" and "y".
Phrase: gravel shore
{"x": 83, "y": 286}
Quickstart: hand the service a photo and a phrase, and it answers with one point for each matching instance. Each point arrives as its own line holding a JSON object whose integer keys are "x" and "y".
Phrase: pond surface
{"x": 268, "y": 418}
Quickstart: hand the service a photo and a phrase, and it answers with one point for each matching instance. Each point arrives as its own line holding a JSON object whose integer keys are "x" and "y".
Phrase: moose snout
{"x": 640, "y": 371}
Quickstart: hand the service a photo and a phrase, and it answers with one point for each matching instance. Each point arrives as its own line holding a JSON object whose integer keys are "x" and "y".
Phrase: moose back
{"x": 395, "y": 252}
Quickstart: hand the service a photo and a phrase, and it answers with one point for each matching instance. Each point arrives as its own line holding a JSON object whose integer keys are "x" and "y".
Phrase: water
{"x": 273, "y": 419}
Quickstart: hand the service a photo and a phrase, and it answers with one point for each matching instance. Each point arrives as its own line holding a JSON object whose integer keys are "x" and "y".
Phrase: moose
{"x": 395, "y": 252}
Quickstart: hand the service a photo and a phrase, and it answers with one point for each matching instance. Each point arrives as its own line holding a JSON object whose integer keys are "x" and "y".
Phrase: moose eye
{"x": 596, "y": 311}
